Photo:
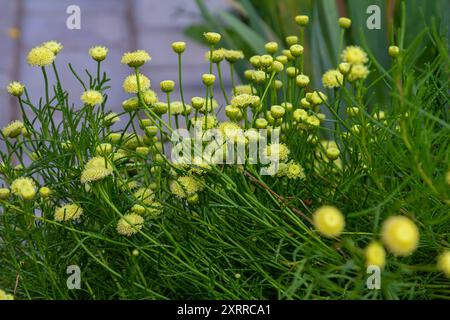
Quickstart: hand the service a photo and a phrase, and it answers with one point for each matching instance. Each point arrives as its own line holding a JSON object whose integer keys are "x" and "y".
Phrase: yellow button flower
{"x": 444, "y": 263}
{"x": 329, "y": 221}
{"x": 400, "y": 235}
{"x": 375, "y": 255}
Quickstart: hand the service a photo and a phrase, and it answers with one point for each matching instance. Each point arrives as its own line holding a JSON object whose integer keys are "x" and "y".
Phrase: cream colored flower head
{"x": 400, "y": 235}
{"x": 144, "y": 195}
{"x": 24, "y": 188}
{"x": 375, "y": 255}
{"x": 443, "y": 263}
{"x": 98, "y": 53}
{"x": 92, "y": 98}
{"x": 68, "y": 212}
{"x": 136, "y": 58}
{"x": 215, "y": 56}
{"x": 185, "y": 186}
{"x": 130, "y": 224}
{"x": 278, "y": 151}
{"x": 329, "y": 221}
{"x": 354, "y": 55}
{"x": 245, "y": 100}
{"x": 5, "y": 296}
{"x": 317, "y": 97}
{"x": 177, "y": 108}
{"x": 15, "y": 88}
{"x": 358, "y": 72}
{"x": 40, "y": 57}
{"x": 96, "y": 169}
{"x": 130, "y": 84}
{"x": 233, "y": 56}
{"x": 332, "y": 79}
{"x": 13, "y": 130}
{"x": 53, "y": 46}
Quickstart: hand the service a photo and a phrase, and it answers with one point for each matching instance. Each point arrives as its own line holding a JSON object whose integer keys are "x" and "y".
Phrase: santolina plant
{"x": 285, "y": 191}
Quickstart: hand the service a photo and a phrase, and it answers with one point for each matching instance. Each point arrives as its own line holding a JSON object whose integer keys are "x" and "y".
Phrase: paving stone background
{"x": 121, "y": 25}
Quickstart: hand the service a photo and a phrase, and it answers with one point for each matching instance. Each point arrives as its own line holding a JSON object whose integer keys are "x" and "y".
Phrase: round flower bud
{"x": 4, "y": 193}
{"x": 344, "y": 68}
{"x": 130, "y": 83}
{"x": 277, "y": 67}
{"x": 160, "y": 108}
{"x": 151, "y": 131}
{"x": 104, "y": 149}
{"x": 114, "y": 137}
{"x": 212, "y": 37}
{"x": 271, "y": 47}
{"x": 282, "y": 58}
{"x": 292, "y": 72}
{"x": 136, "y": 58}
{"x": 296, "y": 50}
{"x": 98, "y": 53}
{"x": 259, "y": 77}
{"x": 135, "y": 252}
{"x": 198, "y": 102}
{"x": 345, "y": 23}
{"x": 443, "y": 263}
{"x": 375, "y": 255}
{"x": 248, "y": 74}
{"x": 261, "y": 123}
{"x": 13, "y": 130}
{"x": 287, "y": 106}
{"x": 167, "y": 86}
{"x": 208, "y": 79}
{"x": 288, "y": 55}
{"x": 278, "y": 84}
{"x": 400, "y": 235}
{"x": 302, "y": 80}
{"x": 302, "y": 20}
{"x": 138, "y": 209}
{"x": 15, "y": 88}
{"x": 332, "y": 153}
{"x": 111, "y": 118}
{"x": 145, "y": 123}
{"x": 215, "y": 56}
{"x": 255, "y": 61}
{"x": 394, "y": 51}
{"x": 143, "y": 151}
{"x": 45, "y": 192}
{"x": 234, "y": 113}
{"x": 232, "y": 56}
{"x": 131, "y": 104}
{"x": 291, "y": 40}
{"x": 179, "y": 47}
{"x": 277, "y": 112}
{"x": 193, "y": 199}
{"x": 304, "y": 103}
{"x": 329, "y": 221}
{"x": 352, "y": 111}
{"x": 266, "y": 61}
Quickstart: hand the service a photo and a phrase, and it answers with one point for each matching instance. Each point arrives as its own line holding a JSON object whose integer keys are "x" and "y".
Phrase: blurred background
{"x": 125, "y": 25}
{"x": 120, "y": 25}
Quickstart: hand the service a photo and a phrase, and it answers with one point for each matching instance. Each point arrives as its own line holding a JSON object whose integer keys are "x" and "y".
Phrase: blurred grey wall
{"x": 120, "y": 25}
